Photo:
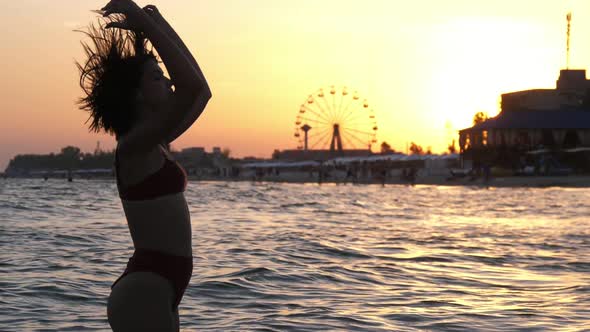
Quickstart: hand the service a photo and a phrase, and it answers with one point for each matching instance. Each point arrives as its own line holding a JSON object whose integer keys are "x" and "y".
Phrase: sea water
{"x": 304, "y": 257}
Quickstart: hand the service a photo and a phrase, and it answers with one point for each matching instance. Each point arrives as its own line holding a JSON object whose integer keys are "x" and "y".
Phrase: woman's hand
{"x": 127, "y": 8}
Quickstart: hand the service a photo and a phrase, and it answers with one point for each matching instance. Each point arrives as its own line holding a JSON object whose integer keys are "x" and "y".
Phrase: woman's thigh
{"x": 142, "y": 301}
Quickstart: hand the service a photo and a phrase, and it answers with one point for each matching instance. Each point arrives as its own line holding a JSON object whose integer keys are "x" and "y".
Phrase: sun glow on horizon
{"x": 481, "y": 58}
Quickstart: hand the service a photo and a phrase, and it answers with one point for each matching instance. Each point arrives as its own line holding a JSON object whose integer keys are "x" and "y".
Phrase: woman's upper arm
{"x": 155, "y": 129}
{"x": 191, "y": 116}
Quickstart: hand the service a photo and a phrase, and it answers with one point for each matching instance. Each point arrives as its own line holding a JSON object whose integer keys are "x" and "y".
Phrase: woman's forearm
{"x": 182, "y": 72}
{"x": 197, "y": 108}
{"x": 195, "y": 111}
{"x": 167, "y": 28}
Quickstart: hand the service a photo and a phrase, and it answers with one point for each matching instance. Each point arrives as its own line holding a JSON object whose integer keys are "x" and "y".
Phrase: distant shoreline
{"x": 571, "y": 181}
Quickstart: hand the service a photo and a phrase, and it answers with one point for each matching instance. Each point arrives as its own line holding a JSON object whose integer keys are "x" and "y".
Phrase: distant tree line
{"x": 414, "y": 148}
{"x": 480, "y": 117}
{"x": 69, "y": 157}
{"x": 417, "y": 149}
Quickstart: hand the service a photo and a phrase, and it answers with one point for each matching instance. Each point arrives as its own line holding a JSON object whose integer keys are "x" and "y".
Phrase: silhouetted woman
{"x": 127, "y": 95}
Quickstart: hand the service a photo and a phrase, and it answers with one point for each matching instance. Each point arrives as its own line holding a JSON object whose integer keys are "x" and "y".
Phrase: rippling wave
{"x": 301, "y": 257}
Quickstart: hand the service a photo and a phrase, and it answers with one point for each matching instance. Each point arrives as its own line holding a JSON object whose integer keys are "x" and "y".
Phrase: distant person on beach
{"x": 127, "y": 94}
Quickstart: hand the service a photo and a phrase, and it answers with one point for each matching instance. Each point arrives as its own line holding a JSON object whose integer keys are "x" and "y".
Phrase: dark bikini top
{"x": 170, "y": 179}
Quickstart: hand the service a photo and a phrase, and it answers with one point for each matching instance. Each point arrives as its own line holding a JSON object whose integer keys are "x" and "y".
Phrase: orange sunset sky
{"x": 425, "y": 66}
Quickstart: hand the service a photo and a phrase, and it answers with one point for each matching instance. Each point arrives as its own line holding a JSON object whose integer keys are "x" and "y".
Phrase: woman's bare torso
{"x": 161, "y": 223}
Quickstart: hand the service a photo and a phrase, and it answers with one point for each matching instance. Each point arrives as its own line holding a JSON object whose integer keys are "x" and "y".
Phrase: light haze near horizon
{"x": 425, "y": 66}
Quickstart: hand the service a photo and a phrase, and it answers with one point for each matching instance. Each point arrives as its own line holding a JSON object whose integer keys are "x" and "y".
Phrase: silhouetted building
{"x": 552, "y": 119}
{"x": 191, "y": 158}
{"x": 542, "y": 117}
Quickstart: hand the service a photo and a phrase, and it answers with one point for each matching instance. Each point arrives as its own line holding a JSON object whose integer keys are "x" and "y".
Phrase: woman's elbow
{"x": 205, "y": 93}
{"x": 202, "y": 97}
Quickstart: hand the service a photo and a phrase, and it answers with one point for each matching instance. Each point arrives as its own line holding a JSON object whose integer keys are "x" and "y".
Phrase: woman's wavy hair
{"x": 111, "y": 76}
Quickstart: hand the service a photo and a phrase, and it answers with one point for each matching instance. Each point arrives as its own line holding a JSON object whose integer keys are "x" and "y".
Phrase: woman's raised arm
{"x": 191, "y": 90}
{"x": 196, "y": 110}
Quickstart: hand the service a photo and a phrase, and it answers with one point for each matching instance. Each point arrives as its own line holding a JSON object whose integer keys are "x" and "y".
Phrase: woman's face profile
{"x": 155, "y": 88}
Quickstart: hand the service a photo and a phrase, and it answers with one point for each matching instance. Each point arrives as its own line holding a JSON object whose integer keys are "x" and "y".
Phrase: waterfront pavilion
{"x": 529, "y": 130}
{"x": 552, "y": 119}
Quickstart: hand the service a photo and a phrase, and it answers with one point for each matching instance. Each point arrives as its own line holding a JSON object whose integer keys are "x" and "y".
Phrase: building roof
{"x": 564, "y": 119}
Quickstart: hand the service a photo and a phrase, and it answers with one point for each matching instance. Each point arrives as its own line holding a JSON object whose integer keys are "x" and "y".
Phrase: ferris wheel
{"x": 335, "y": 119}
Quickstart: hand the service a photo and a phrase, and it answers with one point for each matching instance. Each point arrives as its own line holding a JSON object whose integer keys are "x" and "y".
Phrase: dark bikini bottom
{"x": 177, "y": 269}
